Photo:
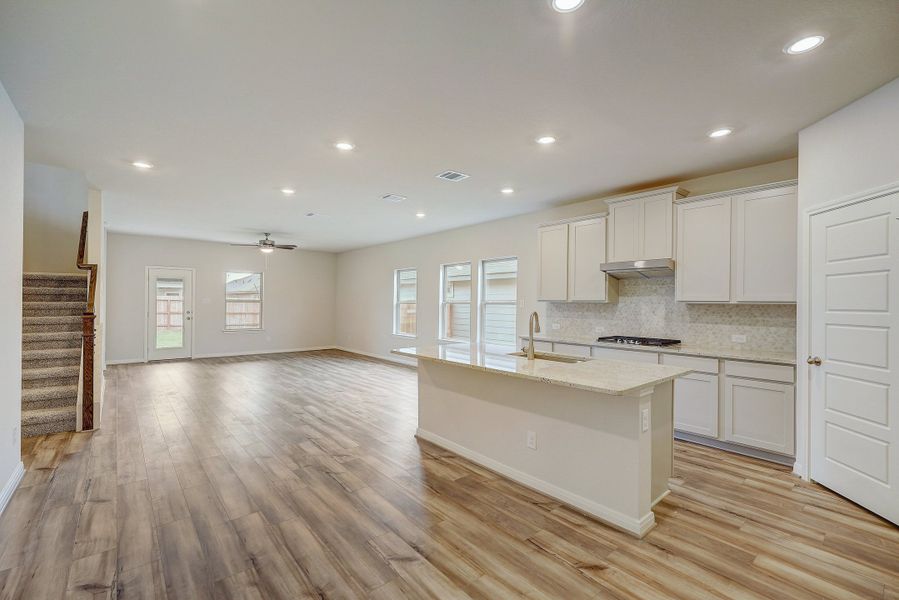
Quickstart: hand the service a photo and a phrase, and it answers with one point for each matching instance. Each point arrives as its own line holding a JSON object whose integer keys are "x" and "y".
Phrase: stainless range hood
{"x": 640, "y": 269}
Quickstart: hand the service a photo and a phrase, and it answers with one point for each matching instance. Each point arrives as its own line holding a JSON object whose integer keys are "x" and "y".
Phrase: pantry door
{"x": 169, "y": 313}
{"x": 854, "y": 361}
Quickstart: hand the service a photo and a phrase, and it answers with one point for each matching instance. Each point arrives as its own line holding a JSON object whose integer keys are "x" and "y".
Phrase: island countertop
{"x": 613, "y": 377}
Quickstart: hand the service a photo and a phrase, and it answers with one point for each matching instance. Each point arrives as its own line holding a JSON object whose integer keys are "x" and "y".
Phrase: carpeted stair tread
{"x": 49, "y": 353}
{"x": 52, "y": 320}
{"x": 51, "y": 336}
{"x": 41, "y": 421}
{"x": 50, "y": 373}
{"x": 51, "y": 391}
{"x": 54, "y": 305}
{"x": 68, "y": 277}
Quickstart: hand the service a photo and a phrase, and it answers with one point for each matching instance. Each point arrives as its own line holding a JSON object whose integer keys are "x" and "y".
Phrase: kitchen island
{"x": 595, "y": 434}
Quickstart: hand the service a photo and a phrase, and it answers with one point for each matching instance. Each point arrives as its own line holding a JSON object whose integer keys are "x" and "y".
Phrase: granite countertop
{"x": 613, "y": 377}
{"x": 765, "y": 356}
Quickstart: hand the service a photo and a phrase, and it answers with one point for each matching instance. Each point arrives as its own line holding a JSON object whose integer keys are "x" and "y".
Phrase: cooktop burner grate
{"x": 638, "y": 341}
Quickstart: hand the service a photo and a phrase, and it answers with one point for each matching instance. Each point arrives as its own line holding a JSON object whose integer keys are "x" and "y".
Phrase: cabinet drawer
{"x": 697, "y": 363}
{"x": 782, "y": 373}
{"x": 571, "y": 349}
{"x": 631, "y": 355}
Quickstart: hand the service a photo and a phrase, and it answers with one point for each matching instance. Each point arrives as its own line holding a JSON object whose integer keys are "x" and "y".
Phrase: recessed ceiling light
{"x": 720, "y": 132}
{"x": 142, "y": 164}
{"x": 546, "y": 140}
{"x": 310, "y": 214}
{"x": 345, "y": 146}
{"x": 288, "y": 191}
{"x": 507, "y": 190}
{"x": 804, "y": 45}
{"x": 420, "y": 215}
{"x": 564, "y": 6}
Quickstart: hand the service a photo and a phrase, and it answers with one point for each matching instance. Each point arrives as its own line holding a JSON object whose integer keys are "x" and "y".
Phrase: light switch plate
{"x": 532, "y": 440}
{"x": 644, "y": 418}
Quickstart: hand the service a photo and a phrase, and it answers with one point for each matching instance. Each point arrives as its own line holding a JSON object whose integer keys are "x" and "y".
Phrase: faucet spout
{"x": 533, "y": 327}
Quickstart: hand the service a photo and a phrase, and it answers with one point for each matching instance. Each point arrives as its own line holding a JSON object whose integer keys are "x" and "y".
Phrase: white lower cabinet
{"x": 571, "y": 349}
{"x": 759, "y": 414}
{"x": 631, "y": 355}
{"x": 696, "y": 404}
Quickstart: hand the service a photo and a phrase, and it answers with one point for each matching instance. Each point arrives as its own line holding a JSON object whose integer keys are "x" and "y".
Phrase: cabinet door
{"x": 759, "y": 414}
{"x": 552, "y": 274}
{"x": 702, "y": 270}
{"x": 586, "y": 252}
{"x": 625, "y": 229}
{"x": 657, "y": 237}
{"x": 765, "y": 246}
{"x": 696, "y": 404}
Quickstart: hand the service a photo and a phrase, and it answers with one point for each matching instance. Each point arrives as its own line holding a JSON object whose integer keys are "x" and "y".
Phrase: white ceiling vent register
{"x": 452, "y": 176}
{"x": 395, "y": 198}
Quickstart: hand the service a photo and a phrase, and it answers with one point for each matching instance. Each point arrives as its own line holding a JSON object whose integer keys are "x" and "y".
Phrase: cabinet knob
{"x": 814, "y": 360}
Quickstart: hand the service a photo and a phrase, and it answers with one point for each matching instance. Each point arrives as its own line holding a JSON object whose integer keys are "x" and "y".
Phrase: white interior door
{"x": 169, "y": 313}
{"x": 854, "y": 303}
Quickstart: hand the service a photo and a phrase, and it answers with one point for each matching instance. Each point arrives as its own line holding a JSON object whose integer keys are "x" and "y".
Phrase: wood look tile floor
{"x": 298, "y": 476}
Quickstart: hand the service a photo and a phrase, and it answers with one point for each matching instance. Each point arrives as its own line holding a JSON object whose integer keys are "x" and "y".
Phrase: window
{"x": 243, "y": 301}
{"x": 455, "y": 302}
{"x": 499, "y": 285}
{"x": 405, "y": 298}
{"x": 169, "y": 313}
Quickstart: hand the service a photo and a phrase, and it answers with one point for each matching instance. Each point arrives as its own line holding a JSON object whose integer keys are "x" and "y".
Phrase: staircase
{"x": 51, "y": 350}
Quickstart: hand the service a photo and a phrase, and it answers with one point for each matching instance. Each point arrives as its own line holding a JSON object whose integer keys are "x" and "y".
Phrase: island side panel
{"x": 590, "y": 452}
{"x": 662, "y": 411}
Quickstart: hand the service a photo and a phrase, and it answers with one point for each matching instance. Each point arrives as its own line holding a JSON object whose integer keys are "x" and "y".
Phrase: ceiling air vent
{"x": 395, "y": 198}
{"x": 452, "y": 176}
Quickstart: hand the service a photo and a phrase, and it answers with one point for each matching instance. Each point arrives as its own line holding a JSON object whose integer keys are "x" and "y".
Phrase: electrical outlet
{"x": 15, "y": 435}
{"x": 532, "y": 440}
{"x": 556, "y": 326}
{"x": 644, "y": 420}
{"x": 738, "y": 338}
{"x": 597, "y": 329}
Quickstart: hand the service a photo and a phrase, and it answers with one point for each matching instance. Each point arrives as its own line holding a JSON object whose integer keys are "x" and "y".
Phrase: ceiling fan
{"x": 268, "y": 245}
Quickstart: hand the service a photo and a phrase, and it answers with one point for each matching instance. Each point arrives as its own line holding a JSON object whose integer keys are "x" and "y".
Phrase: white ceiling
{"x": 233, "y": 100}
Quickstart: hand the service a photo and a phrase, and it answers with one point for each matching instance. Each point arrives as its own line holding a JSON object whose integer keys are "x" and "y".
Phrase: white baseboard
{"x": 11, "y": 484}
{"x": 124, "y": 361}
{"x": 393, "y": 358}
{"x": 637, "y": 527}
{"x": 256, "y": 352}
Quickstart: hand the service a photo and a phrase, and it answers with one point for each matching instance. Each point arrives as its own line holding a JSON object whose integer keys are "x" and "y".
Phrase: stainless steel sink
{"x": 553, "y": 357}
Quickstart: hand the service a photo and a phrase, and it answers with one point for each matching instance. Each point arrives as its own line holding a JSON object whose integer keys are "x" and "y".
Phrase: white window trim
{"x": 441, "y": 318}
{"x": 396, "y": 302}
{"x": 261, "y": 302}
{"x": 482, "y": 297}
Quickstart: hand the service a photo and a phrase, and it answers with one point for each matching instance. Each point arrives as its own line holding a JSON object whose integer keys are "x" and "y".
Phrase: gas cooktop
{"x": 638, "y": 341}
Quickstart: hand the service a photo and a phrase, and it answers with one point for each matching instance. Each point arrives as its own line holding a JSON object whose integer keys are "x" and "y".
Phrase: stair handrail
{"x": 87, "y": 332}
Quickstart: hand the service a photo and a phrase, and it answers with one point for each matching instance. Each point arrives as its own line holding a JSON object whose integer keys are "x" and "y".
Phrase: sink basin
{"x": 553, "y": 357}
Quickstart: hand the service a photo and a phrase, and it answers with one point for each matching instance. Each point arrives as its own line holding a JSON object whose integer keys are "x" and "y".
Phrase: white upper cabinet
{"x": 764, "y": 268}
{"x": 552, "y": 276}
{"x": 570, "y": 255}
{"x": 702, "y": 268}
{"x": 738, "y": 246}
{"x": 586, "y": 252}
{"x": 641, "y": 226}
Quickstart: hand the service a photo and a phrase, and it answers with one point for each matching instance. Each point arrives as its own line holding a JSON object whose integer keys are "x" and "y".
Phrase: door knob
{"x": 814, "y": 360}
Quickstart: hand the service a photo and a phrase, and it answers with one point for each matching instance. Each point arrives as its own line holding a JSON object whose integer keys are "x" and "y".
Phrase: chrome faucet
{"x": 533, "y": 327}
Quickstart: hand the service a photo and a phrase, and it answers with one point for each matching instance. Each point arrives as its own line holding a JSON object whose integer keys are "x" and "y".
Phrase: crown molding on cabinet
{"x": 740, "y": 191}
{"x": 575, "y": 219}
{"x": 672, "y": 189}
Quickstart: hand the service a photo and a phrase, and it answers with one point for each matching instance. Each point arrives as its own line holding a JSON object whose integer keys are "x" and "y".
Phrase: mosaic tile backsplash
{"x": 646, "y": 307}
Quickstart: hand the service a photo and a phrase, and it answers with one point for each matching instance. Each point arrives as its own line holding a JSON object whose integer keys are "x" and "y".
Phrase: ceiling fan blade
{"x": 249, "y": 245}
{"x": 286, "y": 246}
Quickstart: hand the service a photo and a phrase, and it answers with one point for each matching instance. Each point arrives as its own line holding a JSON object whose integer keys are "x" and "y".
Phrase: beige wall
{"x": 54, "y": 201}
{"x": 299, "y": 295}
{"x": 12, "y": 153}
{"x": 365, "y": 276}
